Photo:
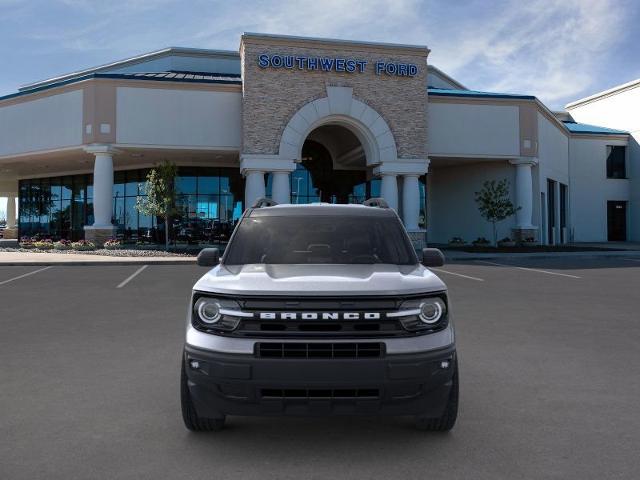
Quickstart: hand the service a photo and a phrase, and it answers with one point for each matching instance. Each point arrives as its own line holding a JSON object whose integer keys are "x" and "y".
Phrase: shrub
{"x": 43, "y": 244}
{"x": 481, "y": 241}
{"x": 112, "y": 244}
{"x": 62, "y": 245}
{"x": 83, "y": 245}
{"x": 457, "y": 241}
{"x": 506, "y": 242}
{"x": 26, "y": 242}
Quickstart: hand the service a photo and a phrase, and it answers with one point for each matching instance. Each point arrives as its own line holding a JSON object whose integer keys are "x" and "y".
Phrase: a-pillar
{"x": 524, "y": 198}
{"x": 102, "y": 228}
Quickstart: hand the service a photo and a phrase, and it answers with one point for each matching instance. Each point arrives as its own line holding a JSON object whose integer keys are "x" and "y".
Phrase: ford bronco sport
{"x": 319, "y": 310}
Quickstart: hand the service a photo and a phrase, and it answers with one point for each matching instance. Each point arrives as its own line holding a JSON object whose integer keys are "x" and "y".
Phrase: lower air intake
{"x": 331, "y": 394}
{"x": 319, "y": 350}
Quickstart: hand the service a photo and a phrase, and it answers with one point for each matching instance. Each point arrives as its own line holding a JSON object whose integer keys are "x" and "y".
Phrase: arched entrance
{"x": 332, "y": 168}
{"x": 338, "y": 149}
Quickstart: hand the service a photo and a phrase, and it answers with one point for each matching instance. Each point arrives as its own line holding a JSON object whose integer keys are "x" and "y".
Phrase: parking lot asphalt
{"x": 549, "y": 369}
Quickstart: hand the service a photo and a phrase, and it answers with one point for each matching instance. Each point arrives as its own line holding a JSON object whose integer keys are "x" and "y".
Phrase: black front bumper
{"x": 229, "y": 384}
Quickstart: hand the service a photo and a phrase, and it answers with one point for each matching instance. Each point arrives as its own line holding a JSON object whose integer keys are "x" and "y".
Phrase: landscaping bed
{"x": 120, "y": 252}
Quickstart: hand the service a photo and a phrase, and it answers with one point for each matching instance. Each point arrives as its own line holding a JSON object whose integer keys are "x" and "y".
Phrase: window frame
{"x": 609, "y": 168}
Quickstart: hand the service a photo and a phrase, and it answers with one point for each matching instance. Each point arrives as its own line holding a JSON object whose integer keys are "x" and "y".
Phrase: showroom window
{"x": 209, "y": 203}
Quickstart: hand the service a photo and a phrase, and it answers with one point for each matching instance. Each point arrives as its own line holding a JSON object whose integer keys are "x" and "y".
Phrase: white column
{"x": 11, "y": 211}
{"x": 280, "y": 191}
{"x": 254, "y": 187}
{"x": 389, "y": 189}
{"x": 103, "y": 189}
{"x": 558, "y": 207}
{"x": 524, "y": 192}
{"x": 410, "y": 201}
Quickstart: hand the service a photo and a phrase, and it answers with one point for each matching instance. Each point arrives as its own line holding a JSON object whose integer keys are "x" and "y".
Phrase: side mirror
{"x": 208, "y": 257}
{"x": 432, "y": 257}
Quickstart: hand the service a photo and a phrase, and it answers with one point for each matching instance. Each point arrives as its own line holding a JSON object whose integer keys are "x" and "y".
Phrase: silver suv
{"x": 319, "y": 310}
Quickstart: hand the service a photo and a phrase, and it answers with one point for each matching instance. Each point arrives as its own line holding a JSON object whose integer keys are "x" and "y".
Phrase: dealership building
{"x": 306, "y": 120}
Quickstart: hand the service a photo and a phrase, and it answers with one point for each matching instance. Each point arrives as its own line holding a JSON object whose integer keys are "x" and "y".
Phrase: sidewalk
{"x": 452, "y": 255}
{"x": 46, "y": 259}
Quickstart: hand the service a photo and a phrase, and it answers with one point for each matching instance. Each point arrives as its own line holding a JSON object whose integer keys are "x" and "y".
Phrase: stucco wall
{"x": 271, "y": 96}
{"x": 165, "y": 117}
{"x": 45, "y": 123}
{"x": 590, "y": 189}
{"x": 465, "y": 129}
{"x": 453, "y": 210}
{"x": 621, "y": 111}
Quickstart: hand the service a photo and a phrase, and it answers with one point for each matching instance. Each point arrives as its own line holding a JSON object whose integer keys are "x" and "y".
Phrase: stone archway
{"x": 340, "y": 108}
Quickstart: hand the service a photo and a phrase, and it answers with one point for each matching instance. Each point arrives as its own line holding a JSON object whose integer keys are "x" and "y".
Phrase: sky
{"x": 558, "y": 50}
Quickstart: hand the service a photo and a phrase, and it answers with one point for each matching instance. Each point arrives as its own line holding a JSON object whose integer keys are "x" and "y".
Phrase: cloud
{"x": 556, "y": 49}
{"x": 548, "y": 48}
{"x": 543, "y": 47}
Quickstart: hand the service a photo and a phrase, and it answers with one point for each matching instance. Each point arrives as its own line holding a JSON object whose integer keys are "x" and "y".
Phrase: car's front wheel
{"x": 447, "y": 420}
{"x": 192, "y": 420}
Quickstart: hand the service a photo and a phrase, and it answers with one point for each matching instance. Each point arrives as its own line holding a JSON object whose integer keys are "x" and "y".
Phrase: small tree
{"x": 160, "y": 197}
{"x": 494, "y": 203}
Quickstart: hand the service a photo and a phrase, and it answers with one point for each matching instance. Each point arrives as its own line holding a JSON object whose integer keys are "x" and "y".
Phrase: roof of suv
{"x": 321, "y": 209}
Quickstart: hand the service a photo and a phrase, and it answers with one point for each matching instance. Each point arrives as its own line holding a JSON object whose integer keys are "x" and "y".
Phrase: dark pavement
{"x": 549, "y": 368}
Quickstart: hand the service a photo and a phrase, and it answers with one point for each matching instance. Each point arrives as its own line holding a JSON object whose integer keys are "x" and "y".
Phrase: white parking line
{"x": 457, "y": 274}
{"x": 528, "y": 269}
{"x": 132, "y": 276}
{"x": 25, "y": 275}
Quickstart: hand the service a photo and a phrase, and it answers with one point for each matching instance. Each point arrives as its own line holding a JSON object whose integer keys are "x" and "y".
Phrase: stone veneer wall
{"x": 271, "y": 96}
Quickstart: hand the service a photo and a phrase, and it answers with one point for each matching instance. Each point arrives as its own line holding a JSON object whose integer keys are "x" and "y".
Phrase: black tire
{"x": 190, "y": 417}
{"x": 445, "y": 422}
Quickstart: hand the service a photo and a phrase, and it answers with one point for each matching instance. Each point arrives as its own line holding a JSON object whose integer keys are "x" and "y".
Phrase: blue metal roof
{"x": 188, "y": 77}
{"x": 175, "y": 75}
{"x": 575, "y": 127}
{"x": 444, "y": 92}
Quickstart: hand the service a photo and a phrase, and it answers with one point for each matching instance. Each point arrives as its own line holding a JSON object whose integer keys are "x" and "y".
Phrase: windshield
{"x": 320, "y": 240}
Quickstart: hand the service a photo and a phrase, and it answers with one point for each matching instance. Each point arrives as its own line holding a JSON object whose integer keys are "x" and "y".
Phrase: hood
{"x": 378, "y": 279}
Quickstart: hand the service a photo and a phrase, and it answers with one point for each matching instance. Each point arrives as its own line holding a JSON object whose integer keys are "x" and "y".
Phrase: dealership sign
{"x": 333, "y": 64}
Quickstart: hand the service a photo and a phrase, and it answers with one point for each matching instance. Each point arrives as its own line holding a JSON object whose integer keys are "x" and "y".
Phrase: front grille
{"x": 353, "y": 328}
{"x": 330, "y": 394}
{"x": 319, "y": 350}
{"x": 256, "y": 327}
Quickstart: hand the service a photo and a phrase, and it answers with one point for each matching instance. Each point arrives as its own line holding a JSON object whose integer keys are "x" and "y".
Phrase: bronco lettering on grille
{"x": 320, "y": 316}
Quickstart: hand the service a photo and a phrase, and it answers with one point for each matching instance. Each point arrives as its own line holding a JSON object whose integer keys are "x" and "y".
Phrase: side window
{"x": 616, "y": 161}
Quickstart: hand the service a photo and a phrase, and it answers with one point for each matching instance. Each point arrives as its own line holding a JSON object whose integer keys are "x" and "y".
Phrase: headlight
{"x": 423, "y": 314}
{"x": 215, "y": 314}
{"x": 431, "y": 311}
{"x": 208, "y": 310}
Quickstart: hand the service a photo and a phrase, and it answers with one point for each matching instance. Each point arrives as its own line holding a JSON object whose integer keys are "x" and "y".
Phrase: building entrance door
{"x": 617, "y": 221}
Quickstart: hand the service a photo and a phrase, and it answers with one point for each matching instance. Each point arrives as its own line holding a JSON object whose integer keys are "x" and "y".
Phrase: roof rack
{"x": 264, "y": 202}
{"x": 376, "y": 202}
